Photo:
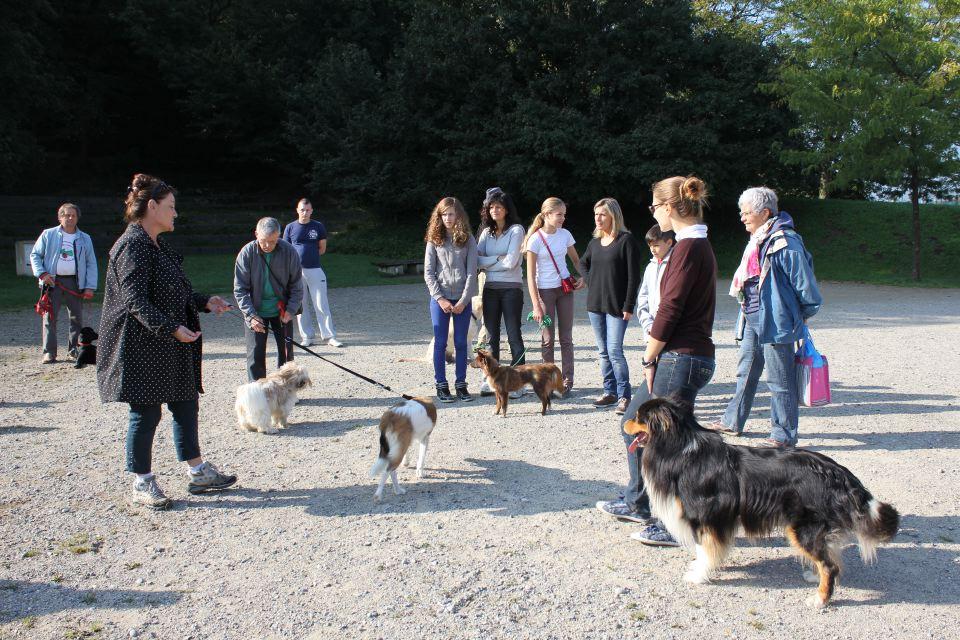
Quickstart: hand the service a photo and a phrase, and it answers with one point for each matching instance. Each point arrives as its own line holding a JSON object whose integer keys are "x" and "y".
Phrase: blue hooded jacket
{"x": 788, "y": 287}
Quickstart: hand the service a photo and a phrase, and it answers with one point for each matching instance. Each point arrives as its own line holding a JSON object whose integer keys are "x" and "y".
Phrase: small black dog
{"x": 87, "y": 353}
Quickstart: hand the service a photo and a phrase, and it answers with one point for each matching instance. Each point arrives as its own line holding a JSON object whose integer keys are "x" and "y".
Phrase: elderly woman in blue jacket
{"x": 778, "y": 293}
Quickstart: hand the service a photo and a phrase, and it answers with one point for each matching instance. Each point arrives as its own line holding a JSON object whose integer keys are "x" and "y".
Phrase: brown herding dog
{"x": 544, "y": 378}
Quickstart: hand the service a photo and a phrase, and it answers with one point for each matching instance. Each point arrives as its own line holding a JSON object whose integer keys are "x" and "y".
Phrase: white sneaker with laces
{"x": 147, "y": 493}
{"x": 333, "y": 342}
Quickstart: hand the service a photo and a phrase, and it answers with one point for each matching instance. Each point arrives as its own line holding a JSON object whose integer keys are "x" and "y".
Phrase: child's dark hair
{"x": 655, "y": 235}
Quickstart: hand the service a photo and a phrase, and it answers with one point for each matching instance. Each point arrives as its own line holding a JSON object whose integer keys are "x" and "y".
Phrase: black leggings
{"x": 509, "y": 304}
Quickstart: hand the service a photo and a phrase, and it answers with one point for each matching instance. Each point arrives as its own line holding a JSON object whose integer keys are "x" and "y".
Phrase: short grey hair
{"x": 268, "y": 226}
{"x": 756, "y": 199}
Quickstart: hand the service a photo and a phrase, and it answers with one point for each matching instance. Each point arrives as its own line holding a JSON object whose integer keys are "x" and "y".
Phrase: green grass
{"x": 857, "y": 241}
{"x": 214, "y": 273}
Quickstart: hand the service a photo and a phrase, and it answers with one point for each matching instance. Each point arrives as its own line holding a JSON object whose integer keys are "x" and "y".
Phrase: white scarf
{"x": 693, "y": 231}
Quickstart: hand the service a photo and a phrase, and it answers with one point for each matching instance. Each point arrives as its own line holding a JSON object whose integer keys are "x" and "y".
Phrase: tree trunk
{"x": 915, "y": 201}
{"x": 824, "y": 183}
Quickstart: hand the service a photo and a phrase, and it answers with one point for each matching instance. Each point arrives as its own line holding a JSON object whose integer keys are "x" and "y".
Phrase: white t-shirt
{"x": 547, "y": 276}
{"x": 67, "y": 260}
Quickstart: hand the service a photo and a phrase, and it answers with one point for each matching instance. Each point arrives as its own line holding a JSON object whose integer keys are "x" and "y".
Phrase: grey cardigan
{"x": 248, "y": 277}
{"x": 451, "y": 271}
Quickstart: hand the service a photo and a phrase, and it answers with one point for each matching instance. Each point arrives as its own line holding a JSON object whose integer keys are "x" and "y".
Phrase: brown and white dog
{"x": 544, "y": 378}
{"x": 400, "y": 426}
{"x": 263, "y": 405}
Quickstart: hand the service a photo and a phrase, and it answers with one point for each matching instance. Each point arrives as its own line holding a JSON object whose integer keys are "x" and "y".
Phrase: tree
{"x": 876, "y": 85}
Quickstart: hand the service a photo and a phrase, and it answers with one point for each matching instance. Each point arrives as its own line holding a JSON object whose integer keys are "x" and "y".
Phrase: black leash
{"x": 314, "y": 353}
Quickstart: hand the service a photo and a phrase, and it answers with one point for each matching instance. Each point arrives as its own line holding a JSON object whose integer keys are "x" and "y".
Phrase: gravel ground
{"x": 500, "y": 539}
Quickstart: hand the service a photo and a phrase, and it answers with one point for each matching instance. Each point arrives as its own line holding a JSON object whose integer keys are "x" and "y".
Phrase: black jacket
{"x": 146, "y": 297}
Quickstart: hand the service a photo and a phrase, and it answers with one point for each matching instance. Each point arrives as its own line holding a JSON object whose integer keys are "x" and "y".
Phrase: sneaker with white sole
{"x": 519, "y": 393}
{"x": 333, "y": 342}
{"x": 485, "y": 389}
{"x": 655, "y": 536}
{"x": 209, "y": 478}
{"x": 619, "y": 509}
{"x": 147, "y": 493}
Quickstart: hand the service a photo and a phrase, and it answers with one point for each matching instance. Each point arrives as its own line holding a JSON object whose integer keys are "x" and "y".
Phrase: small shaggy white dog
{"x": 402, "y": 425}
{"x": 264, "y": 405}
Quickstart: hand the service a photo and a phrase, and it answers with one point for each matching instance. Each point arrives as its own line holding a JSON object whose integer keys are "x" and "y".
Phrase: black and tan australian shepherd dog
{"x": 703, "y": 490}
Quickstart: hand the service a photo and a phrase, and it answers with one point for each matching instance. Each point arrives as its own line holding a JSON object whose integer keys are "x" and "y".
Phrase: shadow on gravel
{"x": 36, "y": 404}
{"x": 44, "y": 598}
{"x": 921, "y": 575}
{"x": 19, "y": 429}
{"x": 499, "y": 487}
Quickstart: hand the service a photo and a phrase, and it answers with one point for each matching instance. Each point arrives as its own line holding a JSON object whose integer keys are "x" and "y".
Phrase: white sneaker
{"x": 148, "y": 493}
{"x": 519, "y": 393}
{"x": 333, "y": 342}
{"x": 485, "y": 389}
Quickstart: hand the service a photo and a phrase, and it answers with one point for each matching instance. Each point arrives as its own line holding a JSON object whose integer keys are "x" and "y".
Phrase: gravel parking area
{"x": 501, "y": 538}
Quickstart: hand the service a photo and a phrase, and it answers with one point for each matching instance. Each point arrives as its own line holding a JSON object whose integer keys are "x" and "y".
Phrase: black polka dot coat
{"x": 146, "y": 297}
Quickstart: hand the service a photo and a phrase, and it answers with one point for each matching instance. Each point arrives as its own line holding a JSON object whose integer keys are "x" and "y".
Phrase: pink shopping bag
{"x": 813, "y": 374}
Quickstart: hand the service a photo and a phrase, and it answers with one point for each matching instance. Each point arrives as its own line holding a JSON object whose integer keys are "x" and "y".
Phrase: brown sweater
{"x": 688, "y": 299}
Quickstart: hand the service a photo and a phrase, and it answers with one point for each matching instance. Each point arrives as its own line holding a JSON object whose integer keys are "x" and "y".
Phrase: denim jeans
{"x": 257, "y": 346}
{"x": 144, "y": 419}
{"x": 679, "y": 375}
{"x": 781, "y": 380}
{"x": 608, "y": 331}
{"x": 509, "y": 304}
{"x": 441, "y": 327}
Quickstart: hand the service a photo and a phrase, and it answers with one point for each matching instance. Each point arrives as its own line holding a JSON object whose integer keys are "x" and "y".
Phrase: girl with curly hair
{"x": 450, "y": 271}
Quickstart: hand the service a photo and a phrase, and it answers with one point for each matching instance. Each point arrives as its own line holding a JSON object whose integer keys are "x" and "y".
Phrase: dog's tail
{"x": 382, "y": 462}
{"x": 877, "y": 523}
{"x": 557, "y": 379}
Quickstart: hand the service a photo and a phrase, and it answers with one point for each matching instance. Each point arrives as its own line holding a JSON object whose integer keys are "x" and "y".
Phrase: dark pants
{"x": 144, "y": 419}
{"x": 74, "y": 307}
{"x": 257, "y": 346}
{"x": 678, "y": 375}
{"x": 509, "y": 304}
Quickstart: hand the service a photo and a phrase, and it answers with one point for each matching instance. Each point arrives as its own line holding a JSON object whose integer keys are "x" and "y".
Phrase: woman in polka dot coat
{"x": 150, "y": 345}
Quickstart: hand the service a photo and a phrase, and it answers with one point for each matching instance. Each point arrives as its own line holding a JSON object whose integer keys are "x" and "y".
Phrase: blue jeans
{"x": 441, "y": 327}
{"x": 781, "y": 380}
{"x": 677, "y": 374}
{"x": 608, "y": 331}
{"x": 144, "y": 419}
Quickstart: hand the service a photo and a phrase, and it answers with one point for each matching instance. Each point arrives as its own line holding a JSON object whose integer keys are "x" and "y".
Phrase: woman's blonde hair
{"x": 437, "y": 233}
{"x": 550, "y": 204}
{"x": 612, "y": 209}
{"x": 688, "y": 194}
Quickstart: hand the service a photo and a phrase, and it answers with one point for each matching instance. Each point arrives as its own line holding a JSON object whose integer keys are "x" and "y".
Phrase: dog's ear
{"x": 657, "y": 414}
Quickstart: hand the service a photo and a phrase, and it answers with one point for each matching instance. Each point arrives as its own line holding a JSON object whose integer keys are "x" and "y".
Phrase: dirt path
{"x": 501, "y": 538}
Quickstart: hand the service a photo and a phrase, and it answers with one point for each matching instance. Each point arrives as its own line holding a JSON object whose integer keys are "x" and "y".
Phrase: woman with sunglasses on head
{"x": 150, "y": 346}
{"x": 679, "y": 358}
{"x": 500, "y": 256}
{"x": 450, "y": 271}
{"x": 547, "y": 246}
